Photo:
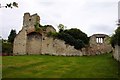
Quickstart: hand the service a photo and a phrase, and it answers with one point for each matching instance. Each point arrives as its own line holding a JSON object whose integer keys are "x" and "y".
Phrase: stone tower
{"x": 27, "y": 38}
{"x": 28, "y": 41}
{"x": 30, "y": 20}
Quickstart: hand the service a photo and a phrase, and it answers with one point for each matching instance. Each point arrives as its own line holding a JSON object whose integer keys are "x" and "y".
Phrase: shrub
{"x": 115, "y": 39}
{"x": 78, "y": 34}
{"x": 77, "y": 43}
{"x": 7, "y": 48}
{"x": 73, "y": 37}
{"x": 52, "y": 34}
{"x": 11, "y": 36}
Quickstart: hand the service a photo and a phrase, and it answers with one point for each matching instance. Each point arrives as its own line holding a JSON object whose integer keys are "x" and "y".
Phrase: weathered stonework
{"x": 19, "y": 46}
{"x": 28, "y": 41}
{"x": 116, "y": 53}
{"x": 58, "y": 47}
{"x": 99, "y": 44}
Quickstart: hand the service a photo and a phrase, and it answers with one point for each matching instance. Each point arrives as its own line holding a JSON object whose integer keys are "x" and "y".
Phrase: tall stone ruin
{"x": 28, "y": 41}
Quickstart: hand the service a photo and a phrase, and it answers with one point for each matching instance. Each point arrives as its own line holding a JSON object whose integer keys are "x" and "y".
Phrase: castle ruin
{"x": 28, "y": 41}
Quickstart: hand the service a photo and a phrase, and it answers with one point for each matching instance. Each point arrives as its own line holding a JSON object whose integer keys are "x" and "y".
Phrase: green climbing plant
{"x": 37, "y": 28}
{"x": 37, "y": 25}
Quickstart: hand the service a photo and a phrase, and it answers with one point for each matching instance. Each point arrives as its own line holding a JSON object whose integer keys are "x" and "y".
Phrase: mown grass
{"x": 44, "y": 66}
{"x": 0, "y": 67}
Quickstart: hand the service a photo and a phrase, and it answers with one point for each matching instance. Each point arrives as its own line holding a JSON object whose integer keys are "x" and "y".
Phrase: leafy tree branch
{"x": 10, "y": 5}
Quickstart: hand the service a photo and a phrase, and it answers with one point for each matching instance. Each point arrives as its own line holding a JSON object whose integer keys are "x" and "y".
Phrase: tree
{"x": 61, "y": 27}
{"x": 79, "y": 44}
{"x": 73, "y": 37}
{"x": 10, "y": 5}
{"x": 11, "y": 36}
{"x": 66, "y": 37}
{"x": 115, "y": 39}
{"x": 78, "y": 34}
{"x": 7, "y": 48}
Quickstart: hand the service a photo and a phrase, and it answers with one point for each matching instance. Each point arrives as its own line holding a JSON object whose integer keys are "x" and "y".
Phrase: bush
{"x": 78, "y": 34}
{"x": 115, "y": 39}
{"x": 77, "y": 43}
{"x": 67, "y": 38}
{"x": 7, "y": 48}
{"x": 73, "y": 37}
{"x": 11, "y": 36}
{"x": 52, "y": 34}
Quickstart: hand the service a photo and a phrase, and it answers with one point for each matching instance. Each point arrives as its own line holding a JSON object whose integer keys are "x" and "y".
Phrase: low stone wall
{"x": 58, "y": 47}
{"x": 52, "y": 46}
{"x": 98, "y": 49}
{"x": 116, "y": 53}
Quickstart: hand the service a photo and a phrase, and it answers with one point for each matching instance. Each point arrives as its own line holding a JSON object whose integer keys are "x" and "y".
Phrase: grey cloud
{"x": 102, "y": 28}
{"x": 91, "y": 15}
{"x": 46, "y": 3}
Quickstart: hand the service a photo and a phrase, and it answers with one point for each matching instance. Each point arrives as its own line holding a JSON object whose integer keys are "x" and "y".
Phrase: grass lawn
{"x": 44, "y": 66}
{"x": 0, "y": 67}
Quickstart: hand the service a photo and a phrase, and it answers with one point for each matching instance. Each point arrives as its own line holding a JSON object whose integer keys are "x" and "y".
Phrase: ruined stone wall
{"x": 19, "y": 47}
{"x": 99, "y": 46}
{"x": 34, "y": 43}
{"x": 98, "y": 49}
{"x": 47, "y": 46}
{"x": 28, "y": 41}
{"x": 92, "y": 40}
{"x": 58, "y": 47}
{"x": 50, "y": 29}
{"x": 116, "y": 53}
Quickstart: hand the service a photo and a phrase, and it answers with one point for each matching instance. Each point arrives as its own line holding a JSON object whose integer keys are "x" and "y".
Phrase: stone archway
{"x": 34, "y": 43}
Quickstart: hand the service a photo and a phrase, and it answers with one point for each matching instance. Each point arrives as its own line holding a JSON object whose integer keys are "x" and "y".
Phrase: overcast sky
{"x": 90, "y": 16}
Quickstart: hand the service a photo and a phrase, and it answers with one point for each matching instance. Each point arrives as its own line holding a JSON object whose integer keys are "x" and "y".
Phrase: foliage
{"x": 73, "y": 37}
{"x": 40, "y": 66}
{"x": 78, "y": 34}
{"x": 7, "y": 47}
{"x": 61, "y": 27}
{"x": 67, "y": 38}
{"x": 77, "y": 43}
{"x": 115, "y": 39}
{"x": 11, "y": 36}
{"x": 52, "y": 34}
{"x": 10, "y": 5}
{"x": 45, "y": 26}
{"x": 37, "y": 27}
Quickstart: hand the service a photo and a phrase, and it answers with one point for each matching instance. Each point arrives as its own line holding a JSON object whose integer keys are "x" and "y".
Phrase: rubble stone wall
{"x": 116, "y": 53}
{"x": 19, "y": 47}
{"x": 28, "y": 41}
